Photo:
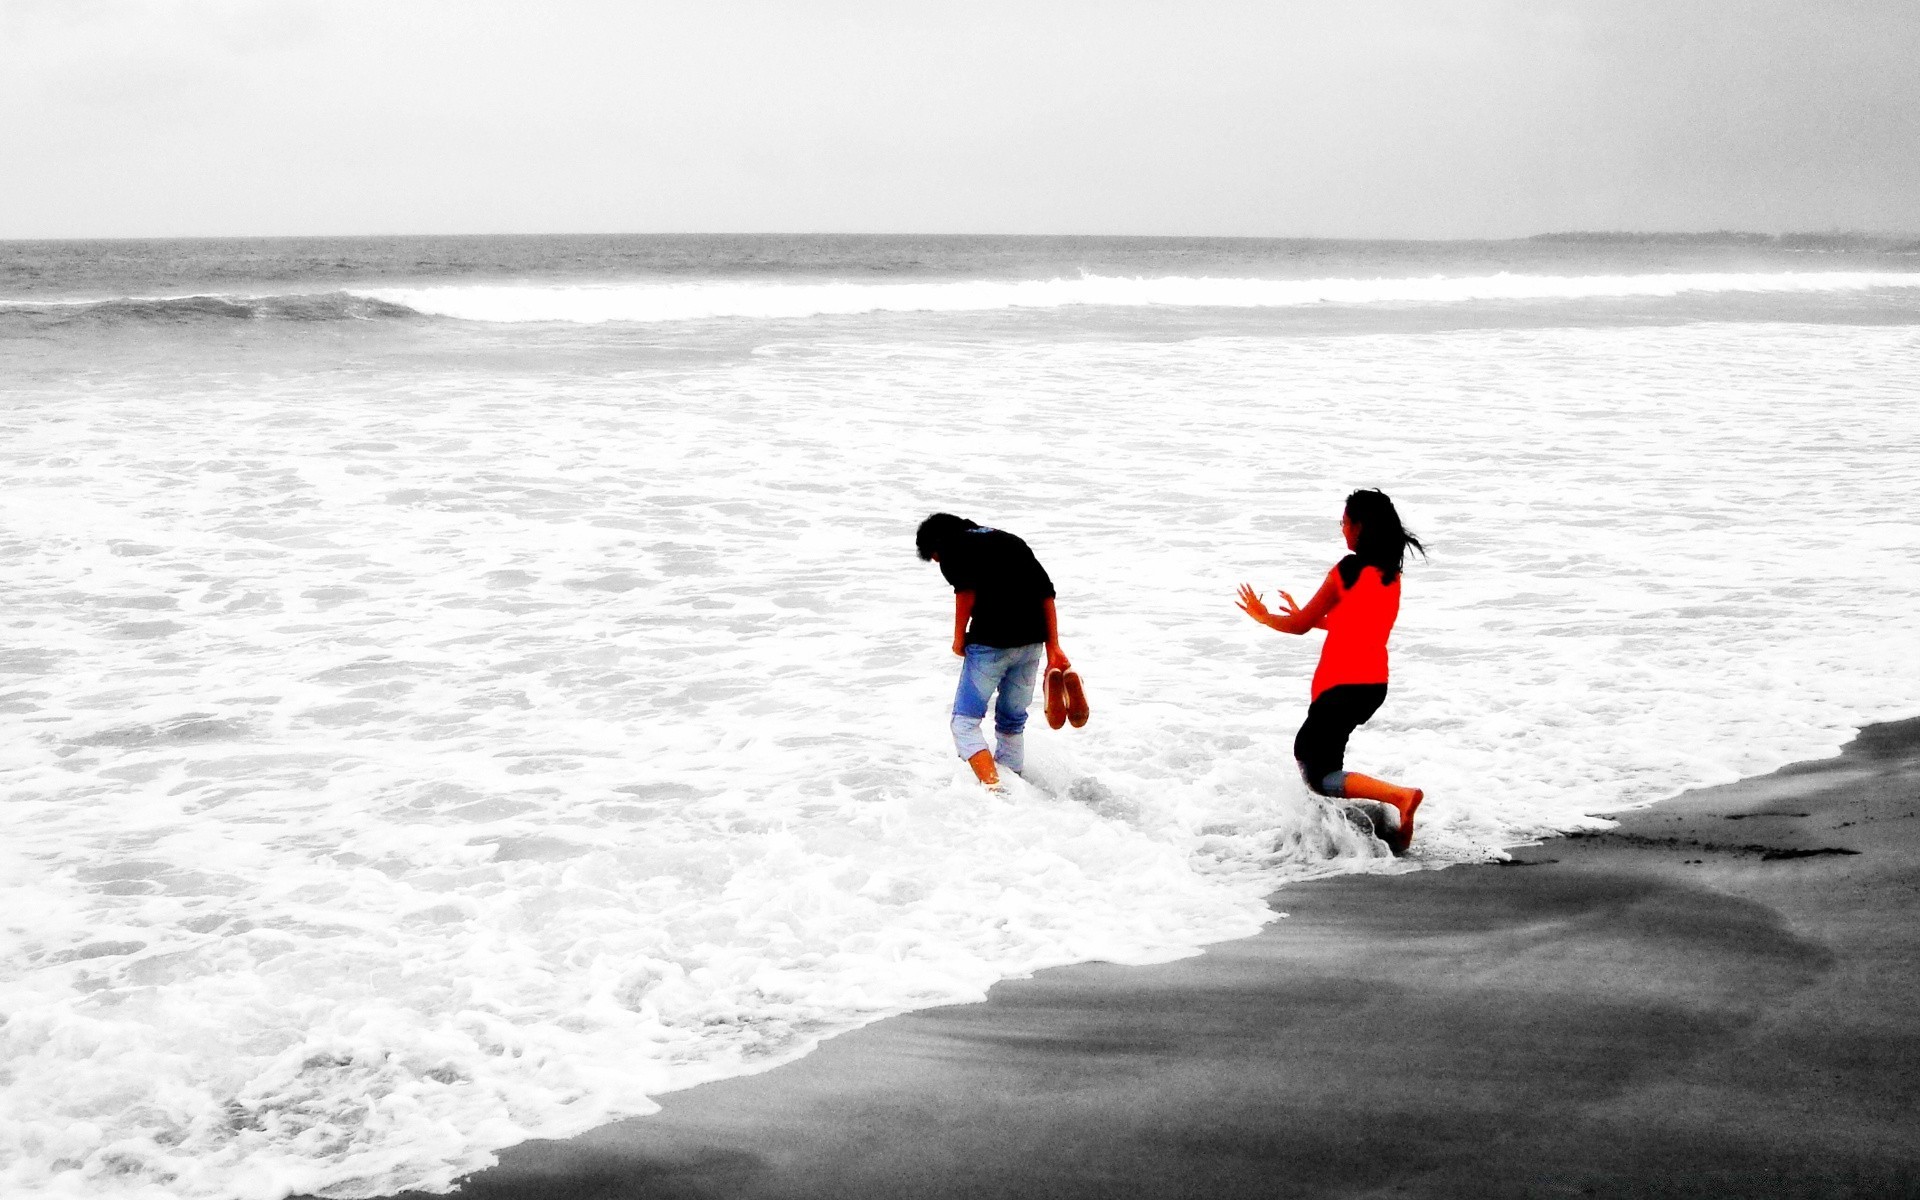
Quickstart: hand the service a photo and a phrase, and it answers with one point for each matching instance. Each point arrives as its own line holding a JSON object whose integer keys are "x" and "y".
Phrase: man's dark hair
{"x": 937, "y": 531}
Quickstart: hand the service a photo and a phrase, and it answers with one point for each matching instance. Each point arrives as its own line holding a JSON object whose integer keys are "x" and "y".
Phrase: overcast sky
{"x": 1380, "y": 118}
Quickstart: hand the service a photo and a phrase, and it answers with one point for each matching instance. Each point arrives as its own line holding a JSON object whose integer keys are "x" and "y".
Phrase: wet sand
{"x": 1717, "y": 998}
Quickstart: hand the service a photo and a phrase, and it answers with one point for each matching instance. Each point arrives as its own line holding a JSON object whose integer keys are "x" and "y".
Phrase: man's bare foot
{"x": 984, "y": 768}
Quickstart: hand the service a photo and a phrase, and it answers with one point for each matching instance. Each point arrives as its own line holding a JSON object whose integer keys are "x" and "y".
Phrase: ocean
{"x": 458, "y": 690}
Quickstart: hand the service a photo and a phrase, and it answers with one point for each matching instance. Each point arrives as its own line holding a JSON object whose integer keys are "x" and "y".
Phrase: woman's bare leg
{"x": 1404, "y": 800}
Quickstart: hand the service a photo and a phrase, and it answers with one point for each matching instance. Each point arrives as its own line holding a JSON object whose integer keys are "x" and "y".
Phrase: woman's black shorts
{"x": 1321, "y": 745}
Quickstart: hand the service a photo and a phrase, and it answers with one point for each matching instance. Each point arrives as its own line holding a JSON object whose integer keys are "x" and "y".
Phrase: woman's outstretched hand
{"x": 1251, "y": 604}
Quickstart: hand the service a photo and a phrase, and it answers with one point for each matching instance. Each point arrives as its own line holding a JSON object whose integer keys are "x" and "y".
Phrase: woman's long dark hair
{"x": 1383, "y": 540}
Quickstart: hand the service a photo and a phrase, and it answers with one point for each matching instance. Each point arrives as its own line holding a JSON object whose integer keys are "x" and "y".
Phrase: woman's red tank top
{"x": 1357, "y": 630}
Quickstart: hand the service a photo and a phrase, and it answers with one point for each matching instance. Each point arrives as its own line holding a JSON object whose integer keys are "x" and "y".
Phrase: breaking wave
{"x": 650, "y": 302}
{"x": 323, "y": 306}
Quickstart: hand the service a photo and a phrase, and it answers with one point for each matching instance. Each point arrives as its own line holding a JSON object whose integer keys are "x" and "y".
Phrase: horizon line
{"x": 1732, "y": 236}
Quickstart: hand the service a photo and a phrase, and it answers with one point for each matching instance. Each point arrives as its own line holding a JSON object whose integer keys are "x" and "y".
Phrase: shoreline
{"x": 1711, "y": 998}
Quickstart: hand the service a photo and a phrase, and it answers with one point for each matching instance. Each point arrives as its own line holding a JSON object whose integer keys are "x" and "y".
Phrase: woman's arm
{"x": 1295, "y": 619}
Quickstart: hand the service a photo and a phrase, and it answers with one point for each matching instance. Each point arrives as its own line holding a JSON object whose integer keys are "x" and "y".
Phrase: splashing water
{"x": 413, "y": 746}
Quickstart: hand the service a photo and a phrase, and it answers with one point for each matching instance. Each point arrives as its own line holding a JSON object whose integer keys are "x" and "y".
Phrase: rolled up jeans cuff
{"x": 966, "y": 735}
{"x": 1010, "y": 750}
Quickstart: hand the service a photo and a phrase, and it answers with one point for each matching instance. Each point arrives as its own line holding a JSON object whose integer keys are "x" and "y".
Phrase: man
{"x": 1003, "y": 626}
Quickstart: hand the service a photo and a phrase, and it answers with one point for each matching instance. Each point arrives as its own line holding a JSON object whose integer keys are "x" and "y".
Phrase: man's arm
{"x": 962, "y": 612}
{"x": 1056, "y": 657}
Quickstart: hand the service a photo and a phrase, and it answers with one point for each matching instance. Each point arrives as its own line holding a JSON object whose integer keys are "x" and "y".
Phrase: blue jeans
{"x": 1011, "y": 672}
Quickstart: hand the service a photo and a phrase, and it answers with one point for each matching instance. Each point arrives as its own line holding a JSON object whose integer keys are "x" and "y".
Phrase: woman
{"x": 1356, "y": 606}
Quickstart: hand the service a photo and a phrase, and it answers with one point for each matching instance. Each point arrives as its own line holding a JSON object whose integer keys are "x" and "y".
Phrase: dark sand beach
{"x": 1716, "y": 998}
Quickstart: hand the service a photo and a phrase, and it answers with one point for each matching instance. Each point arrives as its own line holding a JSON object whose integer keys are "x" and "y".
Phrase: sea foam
{"x": 416, "y": 755}
{"x": 652, "y": 301}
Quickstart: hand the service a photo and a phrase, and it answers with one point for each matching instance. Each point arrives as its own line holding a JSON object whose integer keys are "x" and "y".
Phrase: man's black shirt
{"x": 1008, "y": 584}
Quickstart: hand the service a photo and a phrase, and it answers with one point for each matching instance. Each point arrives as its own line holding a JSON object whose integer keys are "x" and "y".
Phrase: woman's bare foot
{"x": 1403, "y": 836}
{"x": 1404, "y": 800}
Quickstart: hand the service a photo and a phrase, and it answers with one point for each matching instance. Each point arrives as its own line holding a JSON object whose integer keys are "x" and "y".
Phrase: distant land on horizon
{"x": 1834, "y": 240}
